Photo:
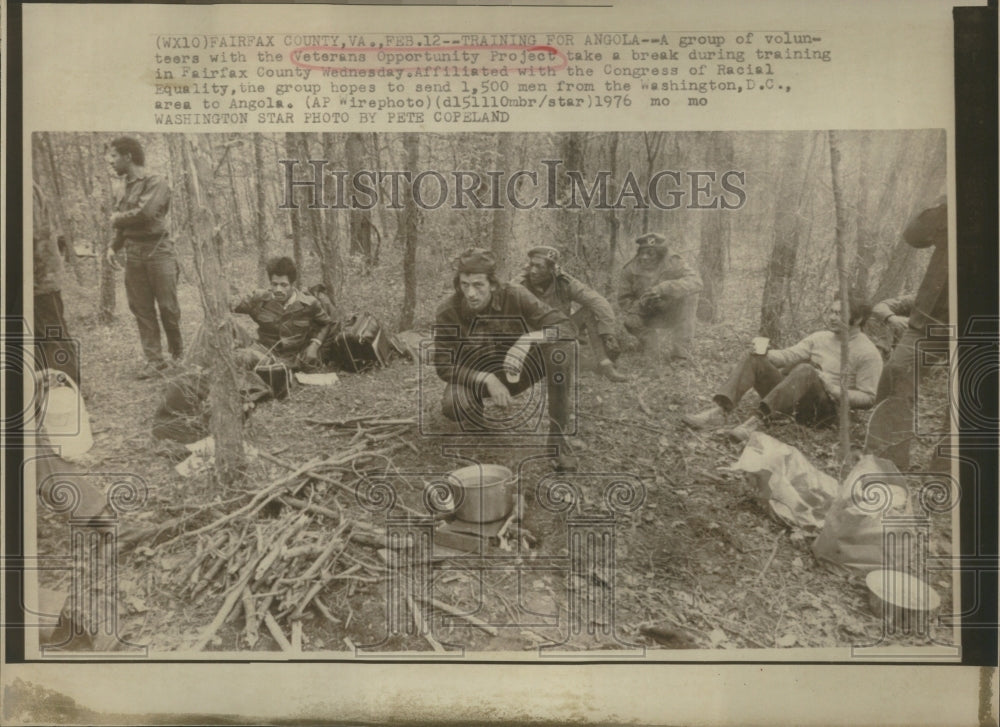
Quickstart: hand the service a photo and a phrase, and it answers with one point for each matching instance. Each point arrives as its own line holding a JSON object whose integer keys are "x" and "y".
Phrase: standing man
{"x": 55, "y": 350}
{"x": 802, "y": 381}
{"x": 546, "y": 281}
{"x": 496, "y": 340}
{"x": 659, "y": 291}
{"x": 151, "y": 268}
{"x": 890, "y": 428}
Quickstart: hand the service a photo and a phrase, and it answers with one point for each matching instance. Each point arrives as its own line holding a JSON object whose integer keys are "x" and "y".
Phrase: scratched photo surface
{"x": 309, "y": 300}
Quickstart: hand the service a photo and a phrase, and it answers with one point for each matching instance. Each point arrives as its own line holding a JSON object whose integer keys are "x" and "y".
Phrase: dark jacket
{"x": 287, "y": 329}
{"x": 141, "y": 213}
{"x": 465, "y": 341}
{"x": 564, "y": 290}
{"x": 930, "y": 227}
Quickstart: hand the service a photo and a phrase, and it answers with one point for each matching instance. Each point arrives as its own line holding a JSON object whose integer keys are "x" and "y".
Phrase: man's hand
{"x": 898, "y": 324}
{"x": 498, "y": 392}
{"x": 311, "y": 355}
{"x": 112, "y": 258}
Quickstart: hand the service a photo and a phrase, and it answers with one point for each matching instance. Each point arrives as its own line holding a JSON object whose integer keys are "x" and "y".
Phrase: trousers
{"x": 800, "y": 393}
{"x": 891, "y": 427}
{"x": 151, "y": 286}
{"x": 552, "y": 362}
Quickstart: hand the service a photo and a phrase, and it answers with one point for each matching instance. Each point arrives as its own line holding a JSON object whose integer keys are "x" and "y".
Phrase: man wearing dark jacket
{"x": 495, "y": 340}
{"x": 291, "y": 324}
{"x": 151, "y": 270}
{"x": 547, "y": 281}
{"x": 891, "y": 426}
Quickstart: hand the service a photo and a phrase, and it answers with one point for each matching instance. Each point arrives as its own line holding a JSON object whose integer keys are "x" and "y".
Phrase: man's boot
{"x": 565, "y": 460}
{"x": 607, "y": 370}
{"x": 713, "y": 416}
{"x": 743, "y": 431}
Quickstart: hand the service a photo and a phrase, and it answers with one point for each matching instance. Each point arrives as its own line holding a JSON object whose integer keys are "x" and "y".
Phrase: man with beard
{"x": 659, "y": 291}
{"x": 151, "y": 269}
{"x": 550, "y": 284}
{"x": 496, "y": 340}
{"x": 802, "y": 381}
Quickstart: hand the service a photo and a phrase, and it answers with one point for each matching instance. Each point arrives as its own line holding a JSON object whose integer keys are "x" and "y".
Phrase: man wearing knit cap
{"x": 659, "y": 291}
{"x": 495, "y": 340}
{"x": 551, "y": 285}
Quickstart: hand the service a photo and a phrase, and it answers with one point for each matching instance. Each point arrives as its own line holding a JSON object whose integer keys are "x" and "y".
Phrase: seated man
{"x": 485, "y": 333}
{"x": 546, "y": 281}
{"x": 659, "y": 291}
{"x": 291, "y": 324}
{"x": 810, "y": 390}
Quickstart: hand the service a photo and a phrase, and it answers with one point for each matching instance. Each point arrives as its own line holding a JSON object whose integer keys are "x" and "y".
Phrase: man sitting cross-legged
{"x": 802, "y": 381}
{"x": 291, "y": 324}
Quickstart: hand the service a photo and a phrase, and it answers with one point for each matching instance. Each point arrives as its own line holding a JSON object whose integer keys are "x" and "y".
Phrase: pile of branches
{"x": 270, "y": 552}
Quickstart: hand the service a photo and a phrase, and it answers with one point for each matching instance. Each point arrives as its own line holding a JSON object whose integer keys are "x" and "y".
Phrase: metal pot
{"x": 484, "y": 493}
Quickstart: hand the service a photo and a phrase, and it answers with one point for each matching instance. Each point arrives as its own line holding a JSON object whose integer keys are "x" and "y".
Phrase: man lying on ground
{"x": 291, "y": 324}
{"x": 802, "y": 381}
{"x": 547, "y": 281}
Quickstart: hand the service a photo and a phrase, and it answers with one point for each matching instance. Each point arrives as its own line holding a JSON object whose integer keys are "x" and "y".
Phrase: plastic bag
{"x": 798, "y": 494}
{"x": 852, "y": 538}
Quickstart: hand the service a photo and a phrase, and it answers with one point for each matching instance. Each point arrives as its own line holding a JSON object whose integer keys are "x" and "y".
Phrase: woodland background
{"x": 702, "y": 559}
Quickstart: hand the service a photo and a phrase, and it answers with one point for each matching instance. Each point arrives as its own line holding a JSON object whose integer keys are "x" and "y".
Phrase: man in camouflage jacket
{"x": 544, "y": 278}
{"x": 658, "y": 291}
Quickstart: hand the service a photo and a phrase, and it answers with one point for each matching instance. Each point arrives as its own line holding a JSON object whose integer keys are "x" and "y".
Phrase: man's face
{"x": 476, "y": 289}
{"x": 539, "y": 270}
{"x": 648, "y": 256}
{"x": 281, "y": 287}
{"x": 120, "y": 162}
{"x": 832, "y": 317}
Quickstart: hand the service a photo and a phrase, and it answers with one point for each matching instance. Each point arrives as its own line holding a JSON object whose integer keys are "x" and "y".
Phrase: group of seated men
{"x": 494, "y": 340}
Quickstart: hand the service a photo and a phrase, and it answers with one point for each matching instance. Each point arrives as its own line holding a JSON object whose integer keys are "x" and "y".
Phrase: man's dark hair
{"x": 282, "y": 266}
{"x": 127, "y": 145}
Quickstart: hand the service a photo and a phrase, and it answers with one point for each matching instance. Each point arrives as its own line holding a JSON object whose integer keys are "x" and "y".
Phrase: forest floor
{"x": 702, "y": 559}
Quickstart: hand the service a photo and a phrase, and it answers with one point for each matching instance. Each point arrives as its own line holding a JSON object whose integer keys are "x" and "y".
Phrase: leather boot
{"x": 608, "y": 371}
{"x": 713, "y": 416}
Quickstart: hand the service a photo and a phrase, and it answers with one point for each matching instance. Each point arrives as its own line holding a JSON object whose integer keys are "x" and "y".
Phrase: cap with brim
{"x": 544, "y": 251}
{"x": 476, "y": 260}
{"x": 651, "y": 240}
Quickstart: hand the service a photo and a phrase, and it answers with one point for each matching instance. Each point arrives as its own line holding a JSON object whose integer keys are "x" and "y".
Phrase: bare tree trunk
{"x": 500, "y": 218}
{"x": 65, "y": 227}
{"x": 792, "y": 186}
{"x": 713, "y": 254}
{"x": 614, "y": 225}
{"x": 408, "y": 232}
{"x": 295, "y": 215}
{"x": 360, "y": 220}
{"x": 235, "y": 198}
{"x": 102, "y": 230}
{"x": 653, "y": 141}
{"x": 324, "y": 242}
{"x": 258, "y": 165}
{"x": 226, "y": 422}
{"x": 843, "y": 221}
